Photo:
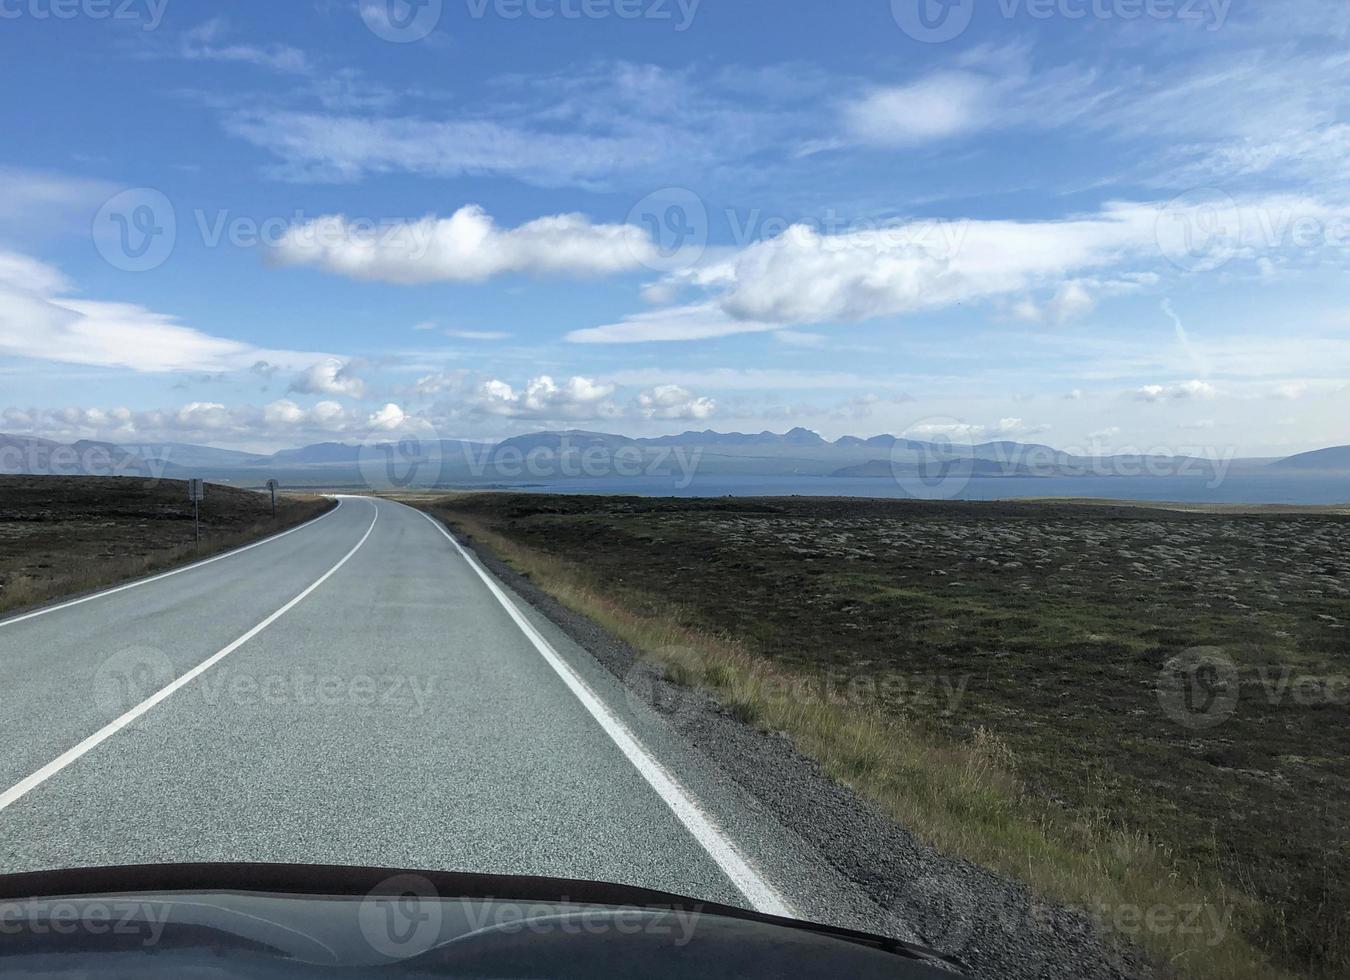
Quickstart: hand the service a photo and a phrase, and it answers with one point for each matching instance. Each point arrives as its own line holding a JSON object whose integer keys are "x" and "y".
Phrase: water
{"x": 1237, "y": 488}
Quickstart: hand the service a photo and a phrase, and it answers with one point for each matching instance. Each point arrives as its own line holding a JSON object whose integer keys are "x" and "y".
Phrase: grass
{"x": 1056, "y": 770}
{"x": 58, "y": 543}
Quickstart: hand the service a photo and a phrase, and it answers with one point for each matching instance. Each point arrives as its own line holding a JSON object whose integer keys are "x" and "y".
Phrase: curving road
{"x": 360, "y": 691}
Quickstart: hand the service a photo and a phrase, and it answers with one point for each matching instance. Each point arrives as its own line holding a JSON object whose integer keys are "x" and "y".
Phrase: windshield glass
{"x": 880, "y": 464}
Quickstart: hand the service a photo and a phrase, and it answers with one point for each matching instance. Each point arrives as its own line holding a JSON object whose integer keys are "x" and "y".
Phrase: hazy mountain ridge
{"x": 553, "y": 454}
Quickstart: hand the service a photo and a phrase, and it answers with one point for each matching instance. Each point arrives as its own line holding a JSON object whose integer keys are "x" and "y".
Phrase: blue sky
{"x": 1099, "y": 224}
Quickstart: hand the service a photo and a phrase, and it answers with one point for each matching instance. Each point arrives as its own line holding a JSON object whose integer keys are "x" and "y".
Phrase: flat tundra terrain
{"x": 1165, "y": 692}
{"x": 60, "y": 536}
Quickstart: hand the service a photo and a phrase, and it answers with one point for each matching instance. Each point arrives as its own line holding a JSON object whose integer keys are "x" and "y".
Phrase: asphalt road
{"x": 360, "y": 691}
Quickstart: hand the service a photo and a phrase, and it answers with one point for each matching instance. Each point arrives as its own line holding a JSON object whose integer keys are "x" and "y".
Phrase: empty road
{"x": 360, "y": 691}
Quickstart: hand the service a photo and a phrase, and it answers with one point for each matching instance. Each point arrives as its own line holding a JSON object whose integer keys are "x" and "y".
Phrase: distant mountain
{"x": 323, "y": 452}
{"x": 573, "y": 440}
{"x": 1333, "y": 460}
{"x": 186, "y": 455}
{"x": 550, "y": 457}
{"x": 24, "y": 455}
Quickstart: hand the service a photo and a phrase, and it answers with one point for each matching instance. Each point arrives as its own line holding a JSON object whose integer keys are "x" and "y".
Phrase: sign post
{"x": 272, "y": 489}
{"x": 197, "y": 493}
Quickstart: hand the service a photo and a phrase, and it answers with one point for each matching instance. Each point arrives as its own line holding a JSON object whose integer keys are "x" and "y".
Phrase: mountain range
{"x": 550, "y": 456}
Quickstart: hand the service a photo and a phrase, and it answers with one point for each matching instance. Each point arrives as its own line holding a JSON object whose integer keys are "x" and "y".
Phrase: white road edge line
{"x": 25, "y": 786}
{"x": 734, "y": 865}
{"x": 163, "y": 575}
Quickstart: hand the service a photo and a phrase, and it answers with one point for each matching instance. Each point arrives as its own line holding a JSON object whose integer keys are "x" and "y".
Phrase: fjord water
{"x": 1236, "y": 488}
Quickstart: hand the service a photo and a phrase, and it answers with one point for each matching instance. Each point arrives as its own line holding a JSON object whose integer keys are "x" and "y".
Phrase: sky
{"x": 1103, "y": 225}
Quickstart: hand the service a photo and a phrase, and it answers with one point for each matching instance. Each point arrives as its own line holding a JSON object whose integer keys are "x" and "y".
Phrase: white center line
{"x": 710, "y": 837}
{"x": 25, "y": 786}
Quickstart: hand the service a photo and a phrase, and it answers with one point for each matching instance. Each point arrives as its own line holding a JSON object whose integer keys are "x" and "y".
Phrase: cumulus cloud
{"x": 1071, "y": 301}
{"x": 674, "y": 402}
{"x": 1182, "y": 391}
{"x": 331, "y": 376}
{"x": 211, "y": 422}
{"x": 544, "y": 399}
{"x": 466, "y": 247}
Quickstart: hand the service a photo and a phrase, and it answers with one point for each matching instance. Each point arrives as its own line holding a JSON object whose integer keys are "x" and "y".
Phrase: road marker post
{"x": 197, "y": 493}
{"x": 272, "y": 489}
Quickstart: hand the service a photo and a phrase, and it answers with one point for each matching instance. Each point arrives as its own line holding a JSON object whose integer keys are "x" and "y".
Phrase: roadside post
{"x": 272, "y": 489}
{"x": 197, "y": 493}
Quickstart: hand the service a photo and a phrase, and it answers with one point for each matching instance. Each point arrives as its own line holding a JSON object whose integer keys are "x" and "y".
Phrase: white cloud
{"x": 699, "y": 322}
{"x": 331, "y": 376}
{"x": 544, "y": 399}
{"x": 37, "y": 322}
{"x": 1181, "y": 391}
{"x": 807, "y": 277}
{"x": 1070, "y": 302}
{"x": 387, "y": 419}
{"x": 207, "y": 42}
{"x": 674, "y": 402}
{"x": 209, "y": 422}
{"x": 944, "y": 104}
{"x": 466, "y": 247}
{"x": 477, "y": 334}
